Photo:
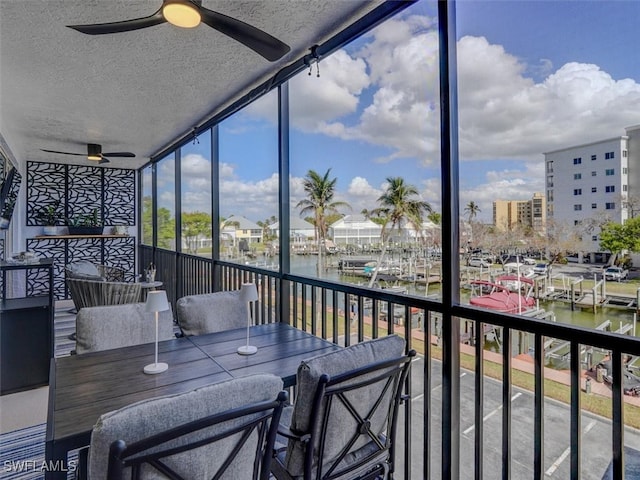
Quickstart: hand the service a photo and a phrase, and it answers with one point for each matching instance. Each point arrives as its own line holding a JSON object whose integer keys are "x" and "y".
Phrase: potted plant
{"x": 49, "y": 216}
{"x": 87, "y": 224}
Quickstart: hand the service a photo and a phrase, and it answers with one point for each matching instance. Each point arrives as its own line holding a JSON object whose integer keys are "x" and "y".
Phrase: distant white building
{"x": 355, "y": 230}
{"x": 589, "y": 182}
{"x": 300, "y": 230}
{"x": 238, "y": 228}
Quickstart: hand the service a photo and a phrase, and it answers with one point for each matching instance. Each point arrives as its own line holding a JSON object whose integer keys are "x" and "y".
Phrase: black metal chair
{"x": 192, "y": 435}
{"x": 351, "y": 427}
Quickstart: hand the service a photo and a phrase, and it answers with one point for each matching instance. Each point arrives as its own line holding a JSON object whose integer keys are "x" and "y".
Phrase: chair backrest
{"x": 94, "y": 293}
{"x": 347, "y": 405}
{"x": 211, "y": 312}
{"x": 225, "y": 429}
{"x": 84, "y": 269}
{"x": 115, "y": 326}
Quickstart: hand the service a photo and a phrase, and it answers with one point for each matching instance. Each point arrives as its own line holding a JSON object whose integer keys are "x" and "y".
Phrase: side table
{"x": 145, "y": 287}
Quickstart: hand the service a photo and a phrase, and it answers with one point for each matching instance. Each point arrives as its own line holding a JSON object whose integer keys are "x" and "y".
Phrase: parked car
{"x": 541, "y": 269}
{"x": 615, "y": 273}
{"x": 478, "y": 262}
{"x": 507, "y": 259}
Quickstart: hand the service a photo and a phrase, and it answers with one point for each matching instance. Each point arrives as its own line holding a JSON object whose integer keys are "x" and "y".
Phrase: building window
{"x": 624, "y": 188}
{"x": 624, "y": 154}
{"x": 577, "y": 208}
{"x": 594, "y": 173}
{"x": 609, "y": 155}
{"x": 550, "y": 166}
{"x": 577, "y": 176}
{"x": 594, "y": 189}
{"x": 594, "y": 205}
{"x": 610, "y": 188}
{"x": 610, "y": 206}
{"x": 577, "y": 161}
{"x": 593, "y": 157}
{"x": 577, "y": 191}
{"x": 594, "y": 238}
{"x": 609, "y": 172}
{"x": 625, "y": 170}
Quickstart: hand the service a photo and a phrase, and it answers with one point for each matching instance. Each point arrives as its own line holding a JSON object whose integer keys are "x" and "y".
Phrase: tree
{"x": 166, "y": 229}
{"x": 266, "y": 231}
{"x": 472, "y": 209}
{"x": 562, "y": 238}
{"x": 613, "y": 237}
{"x": 195, "y": 225}
{"x": 434, "y": 217}
{"x": 398, "y": 206}
{"x": 320, "y": 190}
{"x": 617, "y": 238}
{"x": 225, "y": 222}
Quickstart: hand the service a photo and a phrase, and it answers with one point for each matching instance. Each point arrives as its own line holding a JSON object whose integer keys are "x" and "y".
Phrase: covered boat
{"x": 505, "y": 294}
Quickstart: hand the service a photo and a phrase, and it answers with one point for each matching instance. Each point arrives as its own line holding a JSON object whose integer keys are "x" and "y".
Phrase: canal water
{"x": 618, "y": 317}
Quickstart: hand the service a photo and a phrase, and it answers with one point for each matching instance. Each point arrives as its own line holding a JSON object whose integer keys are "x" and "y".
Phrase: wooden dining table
{"x": 83, "y": 387}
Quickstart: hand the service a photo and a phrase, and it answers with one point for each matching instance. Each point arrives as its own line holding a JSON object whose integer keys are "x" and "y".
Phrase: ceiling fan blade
{"x": 64, "y": 153}
{"x": 260, "y": 42}
{"x": 120, "y": 154}
{"x": 124, "y": 26}
{"x": 103, "y": 161}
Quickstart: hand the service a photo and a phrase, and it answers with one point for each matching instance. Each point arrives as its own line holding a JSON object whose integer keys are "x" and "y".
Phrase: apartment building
{"x": 587, "y": 184}
{"x": 508, "y": 214}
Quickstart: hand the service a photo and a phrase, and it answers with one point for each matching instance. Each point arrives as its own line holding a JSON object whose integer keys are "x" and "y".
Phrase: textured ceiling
{"x": 136, "y": 91}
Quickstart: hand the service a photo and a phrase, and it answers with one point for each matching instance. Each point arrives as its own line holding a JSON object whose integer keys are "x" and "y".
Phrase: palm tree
{"x": 228, "y": 222}
{"x": 398, "y": 207}
{"x": 320, "y": 191}
{"x": 472, "y": 210}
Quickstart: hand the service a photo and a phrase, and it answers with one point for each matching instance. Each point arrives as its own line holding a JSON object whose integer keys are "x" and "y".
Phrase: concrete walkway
{"x": 525, "y": 364}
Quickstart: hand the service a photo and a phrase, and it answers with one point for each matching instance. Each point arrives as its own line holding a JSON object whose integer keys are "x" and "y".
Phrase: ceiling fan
{"x": 189, "y": 14}
{"x": 94, "y": 153}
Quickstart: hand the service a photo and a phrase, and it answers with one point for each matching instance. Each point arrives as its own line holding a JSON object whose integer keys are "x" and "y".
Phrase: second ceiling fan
{"x": 189, "y": 14}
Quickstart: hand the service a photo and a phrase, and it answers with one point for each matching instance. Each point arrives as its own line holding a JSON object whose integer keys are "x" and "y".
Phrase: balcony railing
{"x": 346, "y": 314}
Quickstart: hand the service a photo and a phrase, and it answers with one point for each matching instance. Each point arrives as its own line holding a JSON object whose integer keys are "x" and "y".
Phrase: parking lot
{"x": 596, "y": 432}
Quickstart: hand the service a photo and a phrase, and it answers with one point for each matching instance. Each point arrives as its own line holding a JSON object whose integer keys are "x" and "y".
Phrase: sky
{"x": 532, "y": 77}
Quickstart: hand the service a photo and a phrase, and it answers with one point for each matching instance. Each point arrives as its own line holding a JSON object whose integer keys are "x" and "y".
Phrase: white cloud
{"x": 317, "y": 101}
{"x": 504, "y": 115}
{"x": 255, "y": 200}
{"x": 386, "y": 94}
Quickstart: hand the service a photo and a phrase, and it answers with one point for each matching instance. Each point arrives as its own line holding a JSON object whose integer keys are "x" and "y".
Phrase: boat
{"x": 505, "y": 294}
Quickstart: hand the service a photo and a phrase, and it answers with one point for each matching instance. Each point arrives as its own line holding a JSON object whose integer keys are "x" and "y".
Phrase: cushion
{"x": 335, "y": 363}
{"x": 211, "y": 312}
{"x": 115, "y": 326}
{"x": 155, "y": 415}
{"x": 84, "y": 269}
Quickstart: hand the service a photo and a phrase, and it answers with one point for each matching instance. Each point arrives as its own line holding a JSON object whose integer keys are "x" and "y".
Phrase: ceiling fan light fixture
{"x": 94, "y": 152}
{"x": 181, "y": 13}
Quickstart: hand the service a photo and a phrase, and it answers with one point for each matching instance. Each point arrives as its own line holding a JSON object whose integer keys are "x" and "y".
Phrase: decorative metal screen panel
{"x": 37, "y": 280}
{"x": 112, "y": 251}
{"x": 119, "y": 197}
{"x": 46, "y": 185}
{"x": 80, "y": 189}
{"x": 84, "y": 191}
{"x": 120, "y": 252}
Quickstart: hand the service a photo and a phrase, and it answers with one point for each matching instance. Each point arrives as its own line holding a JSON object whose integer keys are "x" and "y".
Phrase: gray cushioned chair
{"x": 95, "y": 293}
{"x": 114, "y": 326}
{"x": 209, "y": 429}
{"x": 211, "y": 312}
{"x": 87, "y": 270}
{"x": 343, "y": 423}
